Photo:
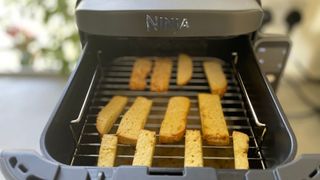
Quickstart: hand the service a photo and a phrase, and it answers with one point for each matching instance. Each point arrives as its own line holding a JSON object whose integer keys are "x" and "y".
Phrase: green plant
{"x": 21, "y": 41}
{"x": 57, "y": 17}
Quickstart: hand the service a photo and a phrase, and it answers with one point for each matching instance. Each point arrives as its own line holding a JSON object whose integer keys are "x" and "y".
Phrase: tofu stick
{"x": 161, "y": 74}
{"x": 141, "y": 69}
{"x": 193, "y": 156}
{"x": 175, "y": 120}
{"x": 108, "y": 150}
{"x": 184, "y": 71}
{"x": 214, "y": 126}
{"x": 134, "y": 120}
{"x": 216, "y": 77}
{"x": 144, "y": 148}
{"x": 240, "y": 150}
{"x": 110, "y": 113}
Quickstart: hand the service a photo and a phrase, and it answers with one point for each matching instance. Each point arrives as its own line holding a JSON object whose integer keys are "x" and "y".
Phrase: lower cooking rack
{"x": 114, "y": 80}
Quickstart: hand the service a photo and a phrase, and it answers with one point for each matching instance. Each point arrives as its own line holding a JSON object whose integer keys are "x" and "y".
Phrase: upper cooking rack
{"x": 114, "y": 80}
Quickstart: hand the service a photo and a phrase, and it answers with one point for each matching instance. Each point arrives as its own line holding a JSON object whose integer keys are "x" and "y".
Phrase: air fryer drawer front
{"x": 29, "y": 165}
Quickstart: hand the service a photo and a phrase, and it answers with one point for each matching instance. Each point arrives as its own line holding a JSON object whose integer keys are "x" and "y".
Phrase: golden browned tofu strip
{"x": 141, "y": 69}
{"x": 108, "y": 150}
{"x": 161, "y": 74}
{"x": 184, "y": 72}
{"x": 144, "y": 148}
{"x": 110, "y": 113}
{"x": 214, "y": 126}
{"x": 134, "y": 120}
{"x": 240, "y": 150}
{"x": 175, "y": 120}
{"x": 216, "y": 77}
{"x": 193, "y": 149}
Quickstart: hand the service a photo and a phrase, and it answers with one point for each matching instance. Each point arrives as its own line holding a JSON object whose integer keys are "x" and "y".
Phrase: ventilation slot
{"x": 23, "y": 168}
{"x": 314, "y": 173}
{"x": 165, "y": 173}
{"x": 33, "y": 177}
{"x": 13, "y": 162}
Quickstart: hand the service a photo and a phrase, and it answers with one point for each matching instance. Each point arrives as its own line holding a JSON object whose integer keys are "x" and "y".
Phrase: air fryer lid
{"x": 170, "y": 18}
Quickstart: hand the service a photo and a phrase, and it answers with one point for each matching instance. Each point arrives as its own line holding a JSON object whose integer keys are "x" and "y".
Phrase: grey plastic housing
{"x": 29, "y": 165}
{"x": 168, "y": 18}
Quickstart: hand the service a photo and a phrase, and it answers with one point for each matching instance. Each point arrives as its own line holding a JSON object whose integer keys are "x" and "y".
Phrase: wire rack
{"x": 114, "y": 80}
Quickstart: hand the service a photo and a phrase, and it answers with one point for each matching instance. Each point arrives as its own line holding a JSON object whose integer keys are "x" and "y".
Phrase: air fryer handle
{"x": 26, "y": 165}
{"x": 31, "y": 166}
{"x": 145, "y": 173}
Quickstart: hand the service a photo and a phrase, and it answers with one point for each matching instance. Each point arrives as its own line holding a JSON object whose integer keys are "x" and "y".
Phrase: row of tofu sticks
{"x": 173, "y": 129}
{"x": 161, "y": 68}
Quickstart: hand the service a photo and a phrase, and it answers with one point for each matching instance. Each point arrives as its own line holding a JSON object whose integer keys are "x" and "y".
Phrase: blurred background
{"x": 299, "y": 88}
{"x": 39, "y": 46}
{"x": 38, "y": 37}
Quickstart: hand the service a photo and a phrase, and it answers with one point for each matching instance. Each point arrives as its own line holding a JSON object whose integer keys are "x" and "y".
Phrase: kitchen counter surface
{"x": 26, "y": 104}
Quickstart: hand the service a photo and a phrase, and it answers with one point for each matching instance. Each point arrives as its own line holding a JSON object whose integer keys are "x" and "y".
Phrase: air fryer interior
{"x": 58, "y": 143}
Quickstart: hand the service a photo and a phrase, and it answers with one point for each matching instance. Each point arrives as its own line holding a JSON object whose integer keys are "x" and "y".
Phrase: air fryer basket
{"x": 277, "y": 147}
{"x": 64, "y": 143}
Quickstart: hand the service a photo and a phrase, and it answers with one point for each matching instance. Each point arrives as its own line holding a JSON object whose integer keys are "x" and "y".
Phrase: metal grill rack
{"x": 114, "y": 81}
